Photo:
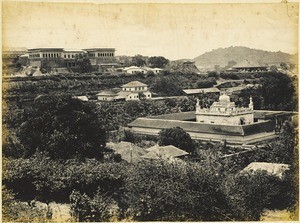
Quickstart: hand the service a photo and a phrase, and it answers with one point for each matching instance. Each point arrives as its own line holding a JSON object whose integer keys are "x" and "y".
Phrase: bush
{"x": 246, "y": 189}
{"x": 63, "y": 128}
{"x": 95, "y": 209}
{"x": 48, "y": 180}
{"x": 176, "y": 137}
{"x": 161, "y": 191}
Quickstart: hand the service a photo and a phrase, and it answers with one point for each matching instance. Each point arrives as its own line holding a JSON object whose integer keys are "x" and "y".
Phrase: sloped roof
{"x": 277, "y": 169}
{"x": 132, "y": 67}
{"x": 187, "y": 126}
{"x": 73, "y": 50}
{"x": 122, "y": 94}
{"x": 135, "y": 84}
{"x": 156, "y": 152}
{"x": 201, "y": 90}
{"x": 82, "y": 98}
{"x": 128, "y": 151}
{"x": 237, "y": 88}
{"x": 110, "y": 92}
{"x": 182, "y": 116}
{"x": 248, "y": 64}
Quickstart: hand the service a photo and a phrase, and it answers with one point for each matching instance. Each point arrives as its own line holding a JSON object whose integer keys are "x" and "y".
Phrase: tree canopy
{"x": 159, "y": 62}
{"x": 62, "y": 127}
{"x": 138, "y": 60}
{"x": 176, "y": 137}
{"x": 83, "y": 63}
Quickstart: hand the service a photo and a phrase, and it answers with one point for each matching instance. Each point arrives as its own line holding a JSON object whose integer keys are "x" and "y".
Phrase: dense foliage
{"x": 176, "y": 137}
{"x": 62, "y": 128}
{"x": 159, "y": 62}
{"x": 44, "y": 138}
{"x": 157, "y": 190}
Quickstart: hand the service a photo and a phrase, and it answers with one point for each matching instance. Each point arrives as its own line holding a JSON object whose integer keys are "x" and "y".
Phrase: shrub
{"x": 176, "y": 137}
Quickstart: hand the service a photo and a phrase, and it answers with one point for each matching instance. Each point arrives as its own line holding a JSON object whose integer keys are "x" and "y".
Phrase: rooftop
{"x": 128, "y": 151}
{"x": 164, "y": 151}
{"x": 135, "y": 84}
{"x": 133, "y": 67}
{"x": 45, "y": 48}
{"x": 192, "y": 126}
{"x": 111, "y": 92}
{"x": 248, "y": 64}
{"x": 277, "y": 169}
{"x": 99, "y": 49}
{"x": 201, "y": 90}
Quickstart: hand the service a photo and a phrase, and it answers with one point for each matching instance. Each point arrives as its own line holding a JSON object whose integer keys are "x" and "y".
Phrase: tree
{"x": 176, "y": 137}
{"x": 138, "y": 60}
{"x": 159, "y": 62}
{"x": 164, "y": 191}
{"x": 244, "y": 190}
{"x": 63, "y": 128}
{"x": 83, "y": 63}
{"x": 45, "y": 67}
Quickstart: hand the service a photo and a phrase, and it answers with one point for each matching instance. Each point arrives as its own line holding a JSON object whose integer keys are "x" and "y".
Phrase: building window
{"x": 212, "y": 122}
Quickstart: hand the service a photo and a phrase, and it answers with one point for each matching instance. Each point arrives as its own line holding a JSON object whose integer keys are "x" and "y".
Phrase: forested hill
{"x": 222, "y": 56}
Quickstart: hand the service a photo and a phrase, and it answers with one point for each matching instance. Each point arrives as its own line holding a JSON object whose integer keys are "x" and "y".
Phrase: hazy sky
{"x": 172, "y": 30}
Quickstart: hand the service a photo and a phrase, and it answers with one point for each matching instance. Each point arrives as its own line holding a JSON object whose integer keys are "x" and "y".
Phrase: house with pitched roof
{"x": 249, "y": 66}
{"x": 133, "y": 90}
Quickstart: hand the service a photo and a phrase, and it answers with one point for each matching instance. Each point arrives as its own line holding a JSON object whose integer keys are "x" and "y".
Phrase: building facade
{"x": 225, "y": 112}
{"x": 60, "y": 57}
{"x": 131, "y": 91}
{"x": 100, "y": 56}
{"x": 37, "y": 57}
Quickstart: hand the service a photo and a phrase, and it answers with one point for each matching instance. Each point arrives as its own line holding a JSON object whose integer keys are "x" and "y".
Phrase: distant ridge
{"x": 222, "y": 56}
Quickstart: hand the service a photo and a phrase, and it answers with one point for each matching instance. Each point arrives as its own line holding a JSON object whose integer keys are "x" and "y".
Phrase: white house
{"x": 134, "y": 70}
{"x": 133, "y": 90}
{"x": 143, "y": 70}
{"x": 157, "y": 70}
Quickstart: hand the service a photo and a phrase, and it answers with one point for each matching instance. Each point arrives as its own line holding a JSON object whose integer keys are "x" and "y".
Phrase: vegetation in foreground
{"x": 54, "y": 159}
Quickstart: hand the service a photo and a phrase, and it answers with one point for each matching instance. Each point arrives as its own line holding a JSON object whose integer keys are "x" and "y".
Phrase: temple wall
{"x": 228, "y": 120}
{"x": 234, "y": 139}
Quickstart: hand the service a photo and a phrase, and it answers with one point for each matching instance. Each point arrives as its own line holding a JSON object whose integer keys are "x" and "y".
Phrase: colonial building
{"x": 60, "y": 57}
{"x": 133, "y": 90}
{"x": 225, "y": 112}
{"x": 100, "y": 56}
{"x": 52, "y": 56}
{"x": 70, "y": 55}
{"x": 222, "y": 121}
{"x": 13, "y": 55}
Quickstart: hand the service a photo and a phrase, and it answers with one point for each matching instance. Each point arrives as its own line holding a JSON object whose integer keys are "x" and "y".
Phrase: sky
{"x": 175, "y": 31}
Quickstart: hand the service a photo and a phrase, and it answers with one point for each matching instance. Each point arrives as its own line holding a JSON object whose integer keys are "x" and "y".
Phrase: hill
{"x": 222, "y": 56}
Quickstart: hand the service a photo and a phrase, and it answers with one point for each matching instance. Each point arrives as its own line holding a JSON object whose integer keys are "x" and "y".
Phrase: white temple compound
{"x": 225, "y": 112}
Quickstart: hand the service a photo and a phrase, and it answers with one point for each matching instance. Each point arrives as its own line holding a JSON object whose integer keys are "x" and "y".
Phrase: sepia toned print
{"x": 149, "y": 111}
